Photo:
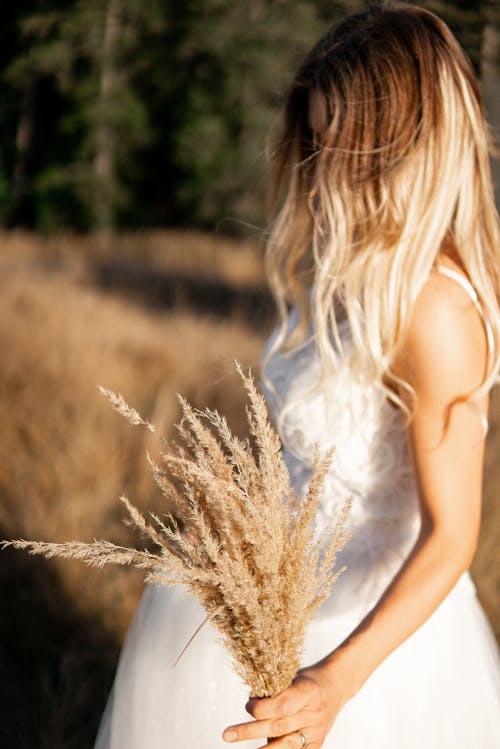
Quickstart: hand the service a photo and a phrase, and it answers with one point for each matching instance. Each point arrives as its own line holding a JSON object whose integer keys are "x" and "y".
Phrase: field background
{"x": 119, "y": 117}
{"x": 149, "y": 316}
{"x": 75, "y": 313}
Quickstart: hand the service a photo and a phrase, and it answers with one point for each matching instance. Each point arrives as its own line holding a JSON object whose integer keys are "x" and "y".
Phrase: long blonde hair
{"x": 382, "y": 163}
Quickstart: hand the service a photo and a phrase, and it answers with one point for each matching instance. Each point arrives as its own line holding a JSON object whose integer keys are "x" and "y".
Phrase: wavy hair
{"x": 381, "y": 164}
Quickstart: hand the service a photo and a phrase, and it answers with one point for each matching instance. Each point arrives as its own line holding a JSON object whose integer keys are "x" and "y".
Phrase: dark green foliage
{"x": 118, "y": 113}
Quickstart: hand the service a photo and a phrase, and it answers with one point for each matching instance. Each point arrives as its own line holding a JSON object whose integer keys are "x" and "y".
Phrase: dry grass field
{"x": 147, "y": 315}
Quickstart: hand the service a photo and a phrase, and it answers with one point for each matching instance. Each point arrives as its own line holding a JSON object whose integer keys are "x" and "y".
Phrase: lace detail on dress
{"x": 371, "y": 461}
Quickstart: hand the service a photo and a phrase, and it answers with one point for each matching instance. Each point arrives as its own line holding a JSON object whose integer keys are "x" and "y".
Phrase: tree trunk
{"x": 104, "y": 167}
{"x": 490, "y": 84}
{"x": 24, "y": 136}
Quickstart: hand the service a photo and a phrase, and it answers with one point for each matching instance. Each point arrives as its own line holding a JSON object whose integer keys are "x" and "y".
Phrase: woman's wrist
{"x": 345, "y": 669}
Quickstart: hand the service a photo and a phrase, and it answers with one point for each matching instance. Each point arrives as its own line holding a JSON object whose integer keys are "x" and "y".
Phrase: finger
{"x": 262, "y": 729}
{"x": 291, "y": 741}
{"x": 296, "y": 697}
{"x": 271, "y": 707}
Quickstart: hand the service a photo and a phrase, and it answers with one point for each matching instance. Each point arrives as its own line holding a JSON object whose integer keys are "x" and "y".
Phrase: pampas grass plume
{"x": 240, "y": 539}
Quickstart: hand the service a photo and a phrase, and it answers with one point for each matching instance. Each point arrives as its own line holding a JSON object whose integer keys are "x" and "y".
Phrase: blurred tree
{"x": 490, "y": 70}
{"x": 126, "y": 113}
{"x": 235, "y": 61}
{"x": 466, "y": 18}
{"x": 215, "y": 72}
{"x": 88, "y": 50}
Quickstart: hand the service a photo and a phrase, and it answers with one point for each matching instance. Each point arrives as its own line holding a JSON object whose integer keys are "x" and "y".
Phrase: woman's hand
{"x": 309, "y": 707}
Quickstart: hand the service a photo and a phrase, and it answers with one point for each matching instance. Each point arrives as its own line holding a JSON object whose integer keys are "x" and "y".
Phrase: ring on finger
{"x": 302, "y": 738}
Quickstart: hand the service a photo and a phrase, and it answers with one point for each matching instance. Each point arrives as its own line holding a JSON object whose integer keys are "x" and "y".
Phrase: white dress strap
{"x": 470, "y": 290}
{"x": 464, "y": 283}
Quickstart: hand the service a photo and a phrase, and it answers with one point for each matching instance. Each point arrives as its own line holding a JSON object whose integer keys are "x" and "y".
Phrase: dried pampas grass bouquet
{"x": 240, "y": 539}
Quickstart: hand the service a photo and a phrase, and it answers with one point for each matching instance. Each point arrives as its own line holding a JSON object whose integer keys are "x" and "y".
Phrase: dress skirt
{"x": 438, "y": 690}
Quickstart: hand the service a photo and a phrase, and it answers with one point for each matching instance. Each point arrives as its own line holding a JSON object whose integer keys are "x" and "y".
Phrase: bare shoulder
{"x": 444, "y": 354}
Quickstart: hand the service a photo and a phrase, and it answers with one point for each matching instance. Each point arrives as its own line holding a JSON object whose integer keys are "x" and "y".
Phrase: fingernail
{"x": 250, "y": 704}
{"x": 229, "y": 735}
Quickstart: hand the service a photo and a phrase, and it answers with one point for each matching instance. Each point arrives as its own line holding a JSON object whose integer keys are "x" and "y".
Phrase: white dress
{"x": 439, "y": 690}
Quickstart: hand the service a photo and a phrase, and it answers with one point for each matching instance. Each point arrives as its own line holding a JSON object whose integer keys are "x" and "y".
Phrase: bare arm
{"x": 444, "y": 358}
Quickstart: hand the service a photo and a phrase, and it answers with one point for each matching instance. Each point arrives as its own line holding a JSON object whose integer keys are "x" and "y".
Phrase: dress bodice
{"x": 371, "y": 462}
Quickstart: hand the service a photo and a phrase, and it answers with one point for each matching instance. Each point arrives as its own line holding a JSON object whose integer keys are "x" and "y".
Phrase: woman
{"x": 385, "y": 245}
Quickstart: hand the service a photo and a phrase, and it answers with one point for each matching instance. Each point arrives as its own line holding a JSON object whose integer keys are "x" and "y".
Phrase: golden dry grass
{"x": 239, "y": 537}
{"x": 236, "y": 262}
{"x": 486, "y": 565}
{"x": 65, "y": 457}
